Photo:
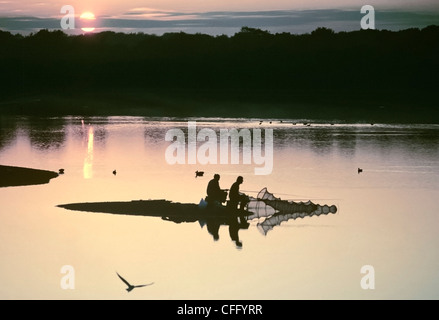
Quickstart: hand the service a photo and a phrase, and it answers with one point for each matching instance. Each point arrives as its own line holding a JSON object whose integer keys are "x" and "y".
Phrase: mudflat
{"x": 11, "y": 176}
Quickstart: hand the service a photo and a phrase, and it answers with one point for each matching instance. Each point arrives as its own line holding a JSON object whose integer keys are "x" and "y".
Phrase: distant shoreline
{"x": 366, "y": 75}
{"x": 19, "y": 176}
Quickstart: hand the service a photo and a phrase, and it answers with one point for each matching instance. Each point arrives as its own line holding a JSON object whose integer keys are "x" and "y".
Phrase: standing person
{"x": 214, "y": 192}
{"x": 236, "y": 197}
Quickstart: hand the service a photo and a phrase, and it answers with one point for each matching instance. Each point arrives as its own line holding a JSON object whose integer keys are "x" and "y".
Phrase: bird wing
{"x": 144, "y": 285}
{"x": 126, "y": 282}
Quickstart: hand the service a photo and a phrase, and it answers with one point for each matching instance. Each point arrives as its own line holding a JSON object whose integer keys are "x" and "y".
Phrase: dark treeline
{"x": 367, "y": 74}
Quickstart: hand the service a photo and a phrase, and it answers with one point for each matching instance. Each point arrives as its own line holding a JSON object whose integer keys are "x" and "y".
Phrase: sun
{"x": 88, "y": 15}
{"x": 86, "y": 20}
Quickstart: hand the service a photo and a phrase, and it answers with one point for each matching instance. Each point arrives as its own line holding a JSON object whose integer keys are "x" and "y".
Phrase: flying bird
{"x": 61, "y": 171}
{"x": 360, "y": 170}
{"x": 114, "y": 172}
{"x": 130, "y": 286}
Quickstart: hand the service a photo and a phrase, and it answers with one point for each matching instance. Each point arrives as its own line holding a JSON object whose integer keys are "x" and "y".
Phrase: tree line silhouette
{"x": 359, "y": 74}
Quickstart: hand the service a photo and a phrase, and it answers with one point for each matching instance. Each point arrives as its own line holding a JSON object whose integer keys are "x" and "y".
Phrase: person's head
{"x": 240, "y": 179}
{"x": 216, "y": 176}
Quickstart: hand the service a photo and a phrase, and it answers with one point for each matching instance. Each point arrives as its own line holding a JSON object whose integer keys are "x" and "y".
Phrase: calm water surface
{"x": 387, "y": 216}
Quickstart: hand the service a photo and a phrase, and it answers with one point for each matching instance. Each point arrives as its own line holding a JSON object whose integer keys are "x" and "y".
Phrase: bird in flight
{"x": 130, "y": 286}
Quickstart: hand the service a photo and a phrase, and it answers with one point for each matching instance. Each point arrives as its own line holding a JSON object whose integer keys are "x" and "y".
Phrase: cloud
{"x": 28, "y": 23}
{"x": 155, "y": 14}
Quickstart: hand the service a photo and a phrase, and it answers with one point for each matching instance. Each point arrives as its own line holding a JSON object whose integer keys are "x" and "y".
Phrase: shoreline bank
{"x": 19, "y": 176}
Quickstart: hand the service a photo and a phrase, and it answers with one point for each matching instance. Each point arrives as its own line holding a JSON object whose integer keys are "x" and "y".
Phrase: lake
{"x": 387, "y": 215}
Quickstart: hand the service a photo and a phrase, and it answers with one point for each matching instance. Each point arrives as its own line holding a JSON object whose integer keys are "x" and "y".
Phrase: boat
{"x": 167, "y": 210}
{"x": 264, "y": 207}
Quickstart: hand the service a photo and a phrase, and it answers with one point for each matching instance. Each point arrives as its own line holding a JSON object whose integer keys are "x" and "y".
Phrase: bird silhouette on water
{"x": 130, "y": 286}
{"x": 199, "y": 173}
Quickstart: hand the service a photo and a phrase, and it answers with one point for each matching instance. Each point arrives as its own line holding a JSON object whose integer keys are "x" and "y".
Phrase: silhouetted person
{"x": 215, "y": 195}
{"x": 236, "y": 197}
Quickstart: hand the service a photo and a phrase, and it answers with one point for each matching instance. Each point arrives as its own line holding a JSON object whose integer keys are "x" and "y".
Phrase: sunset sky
{"x": 226, "y": 16}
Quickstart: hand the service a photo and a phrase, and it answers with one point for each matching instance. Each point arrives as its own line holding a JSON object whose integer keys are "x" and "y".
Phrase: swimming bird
{"x": 360, "y": 170}
{"x": 130, "y": 286}
{"x": 199, "y": 173}
{"x": 61, "y": 171}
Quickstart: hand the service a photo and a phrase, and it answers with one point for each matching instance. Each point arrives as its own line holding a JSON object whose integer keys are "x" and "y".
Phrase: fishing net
{"x": 276, "y": 219}
{"x": 275, "y": 210}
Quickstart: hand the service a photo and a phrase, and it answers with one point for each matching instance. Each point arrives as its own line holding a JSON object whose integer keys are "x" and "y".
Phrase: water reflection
{"x": 52, "y": 133}
{"x": 322, "y": 139}
{"x": 266, "y": 209}
{"x": 234, "y": 224}
{"x": 8, "y": 132}
{"x": 46, "y": 133}
{"x": 88, "y": 161}
{"x": 275, "y": 210}
{"x": 82, "y": 132}
{"x": 278, "y": 218}
{"x": 154, "y": 134}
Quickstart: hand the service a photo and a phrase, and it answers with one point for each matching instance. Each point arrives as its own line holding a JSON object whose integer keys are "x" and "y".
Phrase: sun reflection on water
{"x": 88, "y": 161}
